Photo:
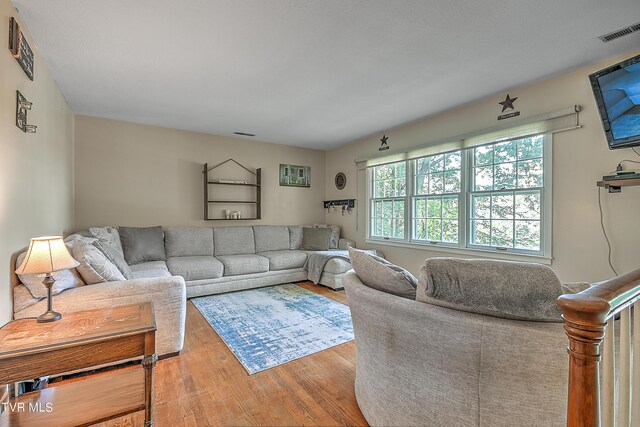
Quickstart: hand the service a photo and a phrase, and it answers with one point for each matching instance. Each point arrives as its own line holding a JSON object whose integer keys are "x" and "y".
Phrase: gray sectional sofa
{"x": 197, "y": 262}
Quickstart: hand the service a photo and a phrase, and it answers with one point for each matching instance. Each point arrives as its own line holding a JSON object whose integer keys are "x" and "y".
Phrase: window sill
{"x": 509, "y": 256}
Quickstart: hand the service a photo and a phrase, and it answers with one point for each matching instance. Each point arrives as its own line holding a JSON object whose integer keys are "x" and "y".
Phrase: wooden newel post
{"x": 585, "y": 324}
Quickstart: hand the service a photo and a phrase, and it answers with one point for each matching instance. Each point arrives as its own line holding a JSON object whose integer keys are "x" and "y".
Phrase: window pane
{"x": 483, "y": 178}
{"x": 377, "y": 209}
{"x": 502, "y": 206}
{"x": 400, "y": 187}
{"x": 387, "y": 209}
{"x": 434, "y": 206}
{"x": 398, "y": 229}
{"x": 481, "y": 232}
{"x": 530, "y": 173}
{"x": 387, "y": 227}
{"x": 528, "y": 205}
{"x": 450, "y": 207}
{"x": 420, "y": 229}
{"x": 505, "y": 152}
{"x": 401, "y": 169}
{"x": 529, "y": 148}
{"x": 481, "y": 207}
{"x": 452, "y": 181}
{"x": 527, "y": 235}
{"x": 483, "y": 156}
{"x": 377, "y": 227}
{"x": 436, "y": 163}
{"x": 383, "y": 172}
{"x": 450, "y": 231}
{"x": 504, "y": 176}
{"x": 436, "y": 183}
{"x": 422, "y": 165}
{"x": 502, "y": 233}
{"x": 378, "y": 189}
{"x": 420, "y": 210}
{"x": 387, "y": 188}
{"x": 453, "y": 160}
{"x": 422, "y": 184}
{"x": 434, "y": 229}
{"x": 398, "y": 209}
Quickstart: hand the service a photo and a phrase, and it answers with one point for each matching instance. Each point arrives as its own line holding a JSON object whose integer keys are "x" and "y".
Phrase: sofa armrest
{"x": 168, "y": 295}
{"x": 344, "y": 244}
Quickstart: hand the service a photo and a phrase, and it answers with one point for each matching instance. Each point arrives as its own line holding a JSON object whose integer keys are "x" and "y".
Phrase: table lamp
{"x": 45, "y": 256}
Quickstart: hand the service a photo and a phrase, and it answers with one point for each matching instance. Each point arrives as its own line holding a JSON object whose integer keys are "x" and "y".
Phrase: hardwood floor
{"x": 207, "y": 386}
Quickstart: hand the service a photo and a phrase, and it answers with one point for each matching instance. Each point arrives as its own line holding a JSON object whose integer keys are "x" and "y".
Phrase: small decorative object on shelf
{"x": 228, "y": 214}
{"x": 47, "y": 255}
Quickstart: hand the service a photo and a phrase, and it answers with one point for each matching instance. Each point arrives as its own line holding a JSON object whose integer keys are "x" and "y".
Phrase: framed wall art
{"x": 295, "y": 176}
{"x": 20, "y": 48}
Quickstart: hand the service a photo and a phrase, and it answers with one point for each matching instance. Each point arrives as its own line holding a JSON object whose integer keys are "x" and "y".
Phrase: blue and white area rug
{"x": 267, "y": 327}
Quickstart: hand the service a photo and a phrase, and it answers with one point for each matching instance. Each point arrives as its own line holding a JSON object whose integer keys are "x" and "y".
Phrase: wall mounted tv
{"x": 617, "y": 92}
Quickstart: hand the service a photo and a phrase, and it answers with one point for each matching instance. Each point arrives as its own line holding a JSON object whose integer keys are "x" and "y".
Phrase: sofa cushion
{"x": 109, "y": 235}
{"x": 233, "y": 241}
{"x": 115, "y": 256}
{"x": 337, "y": 266}
{"x": 506, "y": 289}
{"x": 271, "y": 238}
{"x": 188, "y": 241}
{"x": 94, "y": 266}
{"x": 315, "y": 239}
{"x": 195, "y": 267}
{"x": 142, "y": 244}
{"x": 235, "y": 265}
{"x": 380, "y": 274}
{"x": 295, "y": 237}
{"x": 151, "y": 274}
{"x": 151, "y": 265}
{"x": 283, "y": 260}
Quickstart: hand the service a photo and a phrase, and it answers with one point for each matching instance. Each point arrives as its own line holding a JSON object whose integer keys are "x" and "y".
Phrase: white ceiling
{"x": 310, "y": 73}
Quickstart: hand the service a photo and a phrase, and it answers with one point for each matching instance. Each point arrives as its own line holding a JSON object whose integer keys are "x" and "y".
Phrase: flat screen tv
{"x": 617, "y": 92}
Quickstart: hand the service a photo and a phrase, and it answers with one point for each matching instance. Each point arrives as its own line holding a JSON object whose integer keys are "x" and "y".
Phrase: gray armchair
{"x": 425, "y": 364}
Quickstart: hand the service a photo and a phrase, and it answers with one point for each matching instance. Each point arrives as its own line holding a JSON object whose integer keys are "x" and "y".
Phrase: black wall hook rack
{"x": 350, "y": 203}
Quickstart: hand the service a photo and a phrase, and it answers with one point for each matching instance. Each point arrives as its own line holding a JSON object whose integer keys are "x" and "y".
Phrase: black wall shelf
{"x": 256, "y": 199}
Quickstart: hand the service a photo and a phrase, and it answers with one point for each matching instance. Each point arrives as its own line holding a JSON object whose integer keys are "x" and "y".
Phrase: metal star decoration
{"x": 384, "y": 139}
{"x": 508, "y": 103}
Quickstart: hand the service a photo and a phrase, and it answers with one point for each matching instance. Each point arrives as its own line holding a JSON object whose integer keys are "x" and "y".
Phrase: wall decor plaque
{"x": 340, "y": 181}
{"x": 20, "y": 48}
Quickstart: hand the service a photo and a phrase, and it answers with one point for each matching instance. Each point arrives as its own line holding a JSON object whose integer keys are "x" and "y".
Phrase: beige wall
{"x": 138, "y": 175}
{"x": 36, "y": 170}
{"x": 580, "y": 158}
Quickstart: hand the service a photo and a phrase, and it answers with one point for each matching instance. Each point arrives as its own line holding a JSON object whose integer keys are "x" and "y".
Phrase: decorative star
{"x": 384, "y": 139}
{"x": 508, "y": 103}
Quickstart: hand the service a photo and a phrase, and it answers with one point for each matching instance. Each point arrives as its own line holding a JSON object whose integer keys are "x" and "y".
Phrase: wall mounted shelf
{"x": 255, "y": 199}
{"x": 615, "y": 186}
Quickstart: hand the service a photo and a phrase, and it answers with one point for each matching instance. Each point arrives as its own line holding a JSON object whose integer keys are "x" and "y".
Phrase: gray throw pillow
{"x": 335, "y": 234}
{"x": 115, "y": 257}
{"x": 108, "y": 241}
{"x": 315, "y": 239}
{"x": 94, "y": 266}
{"x": 381, "y": 275}
{"x": 142, "y": 244}
{"x": 505, "y": 289}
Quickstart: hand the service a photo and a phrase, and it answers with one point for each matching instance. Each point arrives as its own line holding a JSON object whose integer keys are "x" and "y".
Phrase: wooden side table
{"x": 80, "y": 340}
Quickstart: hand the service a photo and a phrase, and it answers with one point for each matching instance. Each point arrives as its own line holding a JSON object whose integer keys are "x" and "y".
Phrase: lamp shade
{"x": 46, "y": 255}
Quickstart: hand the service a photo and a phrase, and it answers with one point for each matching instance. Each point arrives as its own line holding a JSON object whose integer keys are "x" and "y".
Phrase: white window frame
{"x": 464, "y": 246}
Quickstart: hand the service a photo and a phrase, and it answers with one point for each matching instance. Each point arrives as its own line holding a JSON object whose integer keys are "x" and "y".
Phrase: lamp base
{"x": 49, "y": 316}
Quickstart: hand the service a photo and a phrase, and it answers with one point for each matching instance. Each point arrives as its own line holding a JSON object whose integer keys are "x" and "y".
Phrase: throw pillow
{"x": 315, "y": 239}
{"x": 295, "y": 237}
{"x": 65, "y": 279}
{"x": 94, "y": 266}
{"x": 381, "y": 275}
{"x": 108, "y": 241}
{"x": 505, "y": 289}
{"x": 335, "y": 234}
{"x": 142, "y": 244}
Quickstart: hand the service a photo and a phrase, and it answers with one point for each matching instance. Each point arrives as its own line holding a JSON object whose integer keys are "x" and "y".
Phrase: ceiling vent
{"x": 245, "y": 134}
{"x": 620, "y": 33}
